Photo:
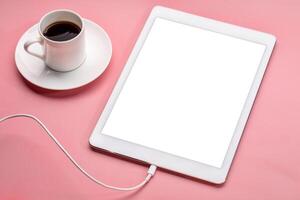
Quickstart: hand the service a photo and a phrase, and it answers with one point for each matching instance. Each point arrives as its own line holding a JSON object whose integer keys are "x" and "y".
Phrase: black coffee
{"x": 61, "y": 31}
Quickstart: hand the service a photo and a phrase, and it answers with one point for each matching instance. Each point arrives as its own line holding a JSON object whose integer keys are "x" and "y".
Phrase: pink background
{"x": 31, "y": 166}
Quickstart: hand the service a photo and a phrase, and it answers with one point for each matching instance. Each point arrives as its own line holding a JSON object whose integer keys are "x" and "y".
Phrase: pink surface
{"x": 31, "y": 166}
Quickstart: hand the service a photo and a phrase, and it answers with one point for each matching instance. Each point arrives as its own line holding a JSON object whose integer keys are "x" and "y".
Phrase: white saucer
{"x": 98, "y": 50}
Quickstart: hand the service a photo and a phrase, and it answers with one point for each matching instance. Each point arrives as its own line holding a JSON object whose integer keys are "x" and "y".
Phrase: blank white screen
{"x": 185, "y": 92}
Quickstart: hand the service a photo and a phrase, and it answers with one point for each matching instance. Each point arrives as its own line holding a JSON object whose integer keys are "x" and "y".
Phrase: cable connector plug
{"x": 152, "y": 170}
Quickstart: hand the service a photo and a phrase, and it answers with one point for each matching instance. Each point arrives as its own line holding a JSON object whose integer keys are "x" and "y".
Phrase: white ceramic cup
{"x": 60, "y": 55}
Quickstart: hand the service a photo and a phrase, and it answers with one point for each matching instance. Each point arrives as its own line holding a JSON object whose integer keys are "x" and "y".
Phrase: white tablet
{"x": 184, "y": 96}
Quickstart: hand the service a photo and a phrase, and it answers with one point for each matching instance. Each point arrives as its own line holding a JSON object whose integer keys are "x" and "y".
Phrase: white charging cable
{"x": 150, "y": 173}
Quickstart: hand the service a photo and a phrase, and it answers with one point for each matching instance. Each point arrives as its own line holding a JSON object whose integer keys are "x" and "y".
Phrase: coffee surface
{"x": 61, "y": 31}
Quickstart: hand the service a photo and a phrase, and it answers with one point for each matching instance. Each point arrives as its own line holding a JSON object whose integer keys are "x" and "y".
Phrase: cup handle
{"x": 32, "y": 41}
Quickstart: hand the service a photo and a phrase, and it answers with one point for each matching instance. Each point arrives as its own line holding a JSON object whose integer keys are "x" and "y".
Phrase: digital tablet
{"x": 185, "y": 93}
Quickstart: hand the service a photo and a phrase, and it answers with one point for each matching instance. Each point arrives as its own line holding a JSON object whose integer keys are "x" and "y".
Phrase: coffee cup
{"x": 61, "y": 35}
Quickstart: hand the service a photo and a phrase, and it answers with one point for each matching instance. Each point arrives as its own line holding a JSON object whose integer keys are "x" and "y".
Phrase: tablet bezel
{"x": 166, "y": 160}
